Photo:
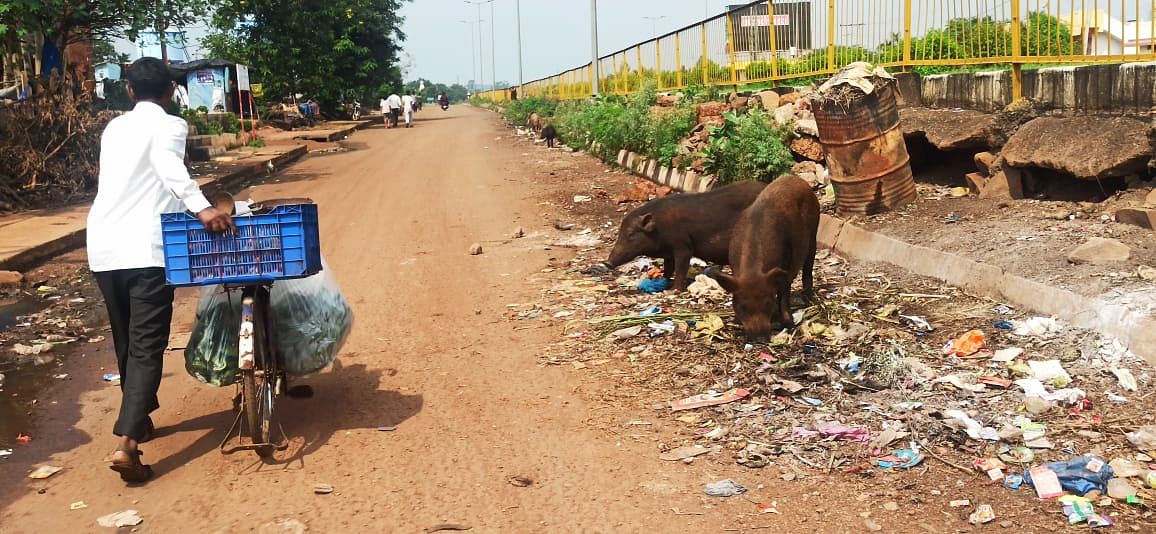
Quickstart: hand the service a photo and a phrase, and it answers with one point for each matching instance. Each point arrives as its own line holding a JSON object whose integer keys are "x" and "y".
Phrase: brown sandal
{"x": 133, "y": 470}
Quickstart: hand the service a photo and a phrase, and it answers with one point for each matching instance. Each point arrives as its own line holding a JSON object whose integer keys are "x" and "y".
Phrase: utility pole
{"x": 594, "y": 47}
{"x": 518, "y": 16}
{"x": 493, "y": 56}
{"x": 481, "y": 54}
{"x": 473, "y": 54}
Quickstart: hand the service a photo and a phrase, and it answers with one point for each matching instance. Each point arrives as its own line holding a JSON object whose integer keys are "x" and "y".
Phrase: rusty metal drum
{"x": 867, "y": 158}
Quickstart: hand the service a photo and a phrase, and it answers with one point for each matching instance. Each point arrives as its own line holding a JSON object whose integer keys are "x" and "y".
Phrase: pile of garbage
{"x": 879, "y": 375}
{"x": 38, "y": 323}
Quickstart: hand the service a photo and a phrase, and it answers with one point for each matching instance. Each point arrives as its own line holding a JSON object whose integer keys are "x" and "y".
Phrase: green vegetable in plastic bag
{"x": 311, "y": 320}
{"x": 211, "y": 355}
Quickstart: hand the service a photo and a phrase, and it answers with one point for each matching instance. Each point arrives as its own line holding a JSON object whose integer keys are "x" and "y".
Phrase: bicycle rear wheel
{"x": 258, "y": 377}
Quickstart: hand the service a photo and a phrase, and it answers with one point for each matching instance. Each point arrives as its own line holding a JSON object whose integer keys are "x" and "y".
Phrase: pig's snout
{"x": 599, "y": 268}
{"x": 758, "y": 338}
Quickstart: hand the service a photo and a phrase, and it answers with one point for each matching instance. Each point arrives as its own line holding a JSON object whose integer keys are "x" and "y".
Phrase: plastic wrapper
{"x": 311, "y": 320}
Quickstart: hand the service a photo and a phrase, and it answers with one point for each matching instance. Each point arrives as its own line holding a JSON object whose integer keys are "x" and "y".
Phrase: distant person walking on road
{"x": 142, "y": 175}
{"x": 407, "y": 104}
{"x": 394, "y": 109}
{"x": 385, "y": 107}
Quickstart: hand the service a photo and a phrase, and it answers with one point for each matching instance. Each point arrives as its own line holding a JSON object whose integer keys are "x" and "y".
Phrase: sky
{"x": 555, "y": 34}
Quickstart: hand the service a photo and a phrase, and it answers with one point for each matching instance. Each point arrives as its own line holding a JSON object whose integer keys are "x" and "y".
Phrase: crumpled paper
{"x": 857, "y": 75}
{"x": 706, "y": 287}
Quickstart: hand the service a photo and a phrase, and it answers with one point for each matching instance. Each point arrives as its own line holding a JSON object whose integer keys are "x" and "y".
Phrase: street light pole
{"x": 594, "y": 47}
{"x": 493, "y": 55}
{"x": 473, "y": 55}
{"x": 654, "y": 23}
{"x": 481, "y": 53}
{"x": 518, "y": 16}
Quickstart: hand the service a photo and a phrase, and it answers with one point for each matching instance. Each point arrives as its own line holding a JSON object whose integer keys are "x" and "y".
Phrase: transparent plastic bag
{"x": 211, "y": 355}
{"x": 311, "y": 320}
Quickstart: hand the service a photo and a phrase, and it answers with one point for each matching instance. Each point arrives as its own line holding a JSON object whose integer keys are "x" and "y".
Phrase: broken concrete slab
{"x": 1120, "y": 146}
{"x": 1150, "y": 200}
{"x": 1142, "y": 217}
{"x": 984, "y": 161}
{"x": 976, "y": 182}
{"x": 1099, "y": 251}
{"x": 949, "y": 129}
{"x": 1005, "y": 183}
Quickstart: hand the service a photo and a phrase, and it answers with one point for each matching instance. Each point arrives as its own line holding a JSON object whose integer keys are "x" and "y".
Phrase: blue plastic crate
{"x": 278, "y": 245}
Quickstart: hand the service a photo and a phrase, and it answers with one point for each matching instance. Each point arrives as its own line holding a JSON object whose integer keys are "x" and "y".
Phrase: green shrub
{"x": 517, "y": 111}
{"x": 747, "y": 147}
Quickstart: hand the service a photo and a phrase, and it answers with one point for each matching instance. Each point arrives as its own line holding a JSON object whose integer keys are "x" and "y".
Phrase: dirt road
{"x": 430, "y": 354}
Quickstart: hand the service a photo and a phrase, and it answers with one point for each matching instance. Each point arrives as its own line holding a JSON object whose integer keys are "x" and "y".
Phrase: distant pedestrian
{"x": 394, "y": 109}
{"x": 384, "y": 107}
{"x": 142, "y": 175}
{"x": 314, "y": 109}
{"x": 407, "y": 104}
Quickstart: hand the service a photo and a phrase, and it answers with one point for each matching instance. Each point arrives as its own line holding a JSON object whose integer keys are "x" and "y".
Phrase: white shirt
{"x": 407, "y": 103}
{"x": 394, "y": 102}
{"x": 142, "y": 175}
{"x": 384, "y": 105}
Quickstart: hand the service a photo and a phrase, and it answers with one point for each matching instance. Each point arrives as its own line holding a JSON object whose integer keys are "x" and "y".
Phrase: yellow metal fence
{"x": 807, "y": 38}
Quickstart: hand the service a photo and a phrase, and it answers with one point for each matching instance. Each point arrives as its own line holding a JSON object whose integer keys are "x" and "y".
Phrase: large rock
{"x": 984, "y": 161}
{"x": 766, "y": 100}
{"x": 738, "y": 102}
{"x": 10, "y": 279}
{"x": 1088, "y": 148}
{"x": 1150, "y": 200}
{"x": 813, "y": 173}
{"x": 710, "y": 112}
{"x": 784, "y": 114}
{"x": 949, "y": 129}
{"x": 807, "y": 147}
{"x": 1099, "y": 251}
{"x": 1142, "y": 217}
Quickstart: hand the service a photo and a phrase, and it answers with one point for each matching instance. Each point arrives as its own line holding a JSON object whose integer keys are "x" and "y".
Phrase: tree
{"x": 25, "y": 25}
{"x": 104, "y": 52}
{"x": 328, "y": 49}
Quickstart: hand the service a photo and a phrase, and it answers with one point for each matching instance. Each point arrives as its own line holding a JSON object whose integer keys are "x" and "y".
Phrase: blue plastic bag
{"x": 1081, "y": 474}
{"x": 654, "y": 285}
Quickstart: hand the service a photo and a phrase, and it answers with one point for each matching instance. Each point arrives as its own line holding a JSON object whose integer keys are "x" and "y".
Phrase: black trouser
{"x": 140, "y": 311}
{"x": 393, "y": 116}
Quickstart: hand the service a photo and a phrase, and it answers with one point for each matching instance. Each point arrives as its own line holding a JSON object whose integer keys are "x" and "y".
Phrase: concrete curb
{"x": 1130, "y": 326}
{"x": 677, "y": 179}
{"x": 36, "y": 255}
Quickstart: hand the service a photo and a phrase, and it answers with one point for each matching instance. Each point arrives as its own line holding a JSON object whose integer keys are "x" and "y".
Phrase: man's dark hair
{"x": 149, "y": 78}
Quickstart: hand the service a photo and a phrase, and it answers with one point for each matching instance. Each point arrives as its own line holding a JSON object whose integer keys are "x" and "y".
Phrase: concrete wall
{"x": 1128, "y": 88}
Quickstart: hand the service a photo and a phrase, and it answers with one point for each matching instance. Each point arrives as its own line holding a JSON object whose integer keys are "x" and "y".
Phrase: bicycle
{"x": 276, "y": 242}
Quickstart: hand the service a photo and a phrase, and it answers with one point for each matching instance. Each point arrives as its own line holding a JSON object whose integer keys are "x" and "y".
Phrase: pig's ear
{"x": 727, "y": 281}
{"x": 647, "y": 223}
{"x": 777, "y": 278}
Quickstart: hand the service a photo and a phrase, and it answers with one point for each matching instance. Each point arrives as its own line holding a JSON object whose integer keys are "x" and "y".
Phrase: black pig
{"x": 549, "y": 134}
{"x": 773, "y": 240}
{"x": 677, "y": 228}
